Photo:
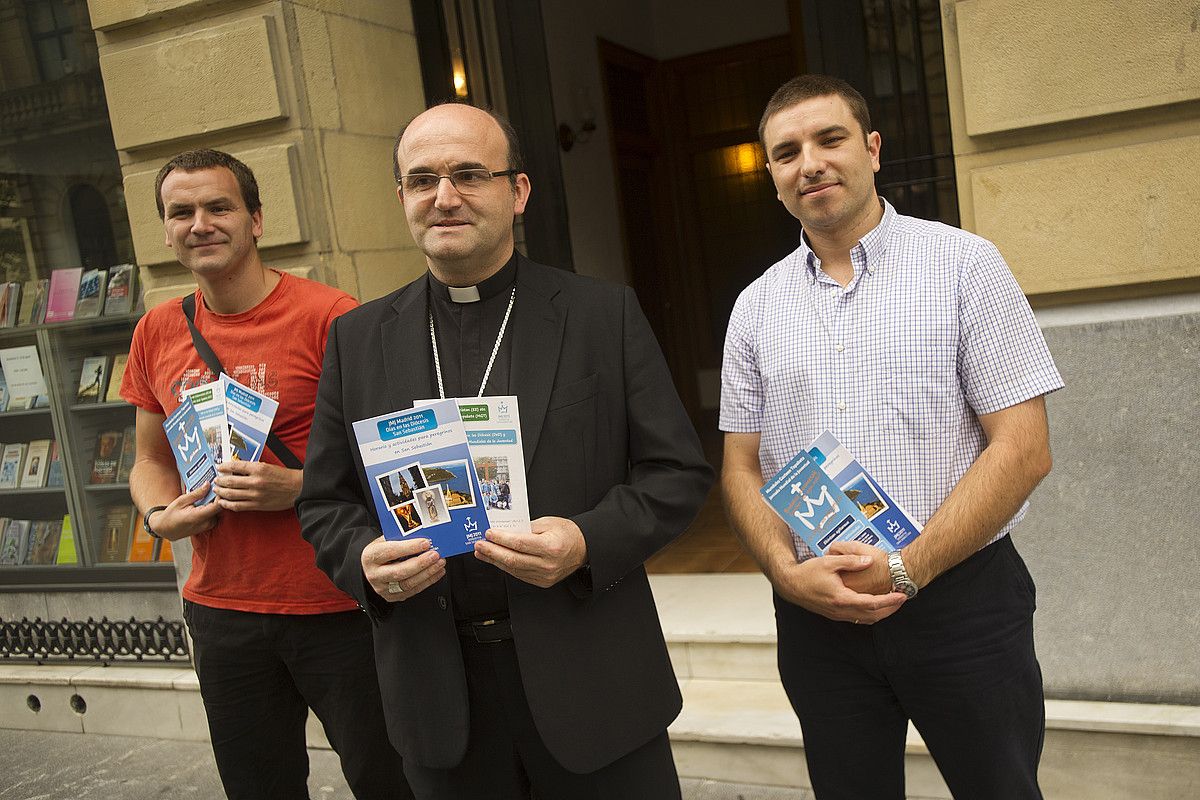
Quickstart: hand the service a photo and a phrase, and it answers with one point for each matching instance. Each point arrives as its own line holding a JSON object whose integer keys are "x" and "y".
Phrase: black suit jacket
{"x": 607, "y": 443}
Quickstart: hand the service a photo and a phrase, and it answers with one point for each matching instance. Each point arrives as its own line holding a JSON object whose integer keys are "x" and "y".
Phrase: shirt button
{"x": 841, "y": 405}
{"x": 839, "y": 347}
{"x": 442, "y": 602}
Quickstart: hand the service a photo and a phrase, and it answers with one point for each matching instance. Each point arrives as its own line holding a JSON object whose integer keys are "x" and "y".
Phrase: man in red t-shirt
{"x": 272, "y": 636}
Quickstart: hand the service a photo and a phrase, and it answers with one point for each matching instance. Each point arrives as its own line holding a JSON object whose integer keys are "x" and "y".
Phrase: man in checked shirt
{"x": 913, "y": 344}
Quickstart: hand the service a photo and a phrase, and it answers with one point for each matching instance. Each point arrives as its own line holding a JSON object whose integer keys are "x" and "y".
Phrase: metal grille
{"x": 105, "y": 641}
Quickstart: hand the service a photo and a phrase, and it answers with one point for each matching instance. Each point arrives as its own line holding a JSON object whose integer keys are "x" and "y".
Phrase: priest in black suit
{"x": 535, "y": 666}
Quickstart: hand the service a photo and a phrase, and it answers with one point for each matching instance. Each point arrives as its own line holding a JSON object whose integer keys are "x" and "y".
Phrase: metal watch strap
{"x": 146, "y": 521}
{"x": 900, "y": 580}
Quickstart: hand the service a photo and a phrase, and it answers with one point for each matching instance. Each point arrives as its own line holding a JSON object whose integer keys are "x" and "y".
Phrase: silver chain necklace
{"x": 437, "y": 361}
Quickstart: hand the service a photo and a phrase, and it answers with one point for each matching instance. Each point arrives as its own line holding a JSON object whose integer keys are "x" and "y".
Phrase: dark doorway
{"x": 699, "y": 214}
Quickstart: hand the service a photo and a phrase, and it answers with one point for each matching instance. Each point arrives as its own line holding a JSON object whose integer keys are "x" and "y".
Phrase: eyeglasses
{"x": 464, "y": 181}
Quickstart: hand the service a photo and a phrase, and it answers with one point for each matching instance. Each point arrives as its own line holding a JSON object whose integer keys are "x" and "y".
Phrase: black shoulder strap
{"x": 281, "y": 451}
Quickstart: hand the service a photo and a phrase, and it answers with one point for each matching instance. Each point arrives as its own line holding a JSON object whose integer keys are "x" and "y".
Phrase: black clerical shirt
{"x": 466, "y": 334}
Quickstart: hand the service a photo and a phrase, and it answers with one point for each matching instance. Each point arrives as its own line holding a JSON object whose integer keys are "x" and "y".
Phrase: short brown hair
{"x": 806, "y": 87}
{"x": 515, "y": 159}
{"x": 194, "y": 160}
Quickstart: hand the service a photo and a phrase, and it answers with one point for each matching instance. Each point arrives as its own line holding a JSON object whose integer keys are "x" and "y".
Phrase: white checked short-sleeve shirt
{"x": 931, "y": 332}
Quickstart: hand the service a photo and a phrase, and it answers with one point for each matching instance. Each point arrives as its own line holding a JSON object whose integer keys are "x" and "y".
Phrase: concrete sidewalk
{"x": 71, "y": 766}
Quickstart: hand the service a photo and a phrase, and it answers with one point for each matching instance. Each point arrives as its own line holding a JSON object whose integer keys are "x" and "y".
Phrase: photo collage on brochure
{"x": 420, "y": 496}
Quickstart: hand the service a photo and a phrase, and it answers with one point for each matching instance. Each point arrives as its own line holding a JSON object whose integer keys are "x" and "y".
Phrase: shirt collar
{"x": 873, "y": 245}
{"x": 485, "y": 289}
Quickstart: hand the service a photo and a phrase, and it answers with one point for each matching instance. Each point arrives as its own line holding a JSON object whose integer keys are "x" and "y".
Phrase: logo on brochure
{"x": 470, "y": 525}
{"x": 811, "y": 504}
{"x": 187, "y": 441}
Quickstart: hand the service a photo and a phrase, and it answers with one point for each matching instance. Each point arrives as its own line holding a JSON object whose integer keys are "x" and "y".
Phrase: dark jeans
{"x": 507, "y": 760}
{"x": 957, "y": 660}
{"x": 260, "y": 673}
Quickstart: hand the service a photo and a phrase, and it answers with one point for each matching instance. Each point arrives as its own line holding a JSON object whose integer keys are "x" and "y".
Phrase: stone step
{"x": 746, "y": 732}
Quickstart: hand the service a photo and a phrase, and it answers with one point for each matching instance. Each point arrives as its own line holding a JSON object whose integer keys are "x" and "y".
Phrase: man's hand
{"x": 873, "y": 579}
{"x": 411, "y": 566}
{"x": 255, "y": 486}
{"x": 553, "y": 549}
{"x": 820, "y": 585}
{"x": 181, "y": 519}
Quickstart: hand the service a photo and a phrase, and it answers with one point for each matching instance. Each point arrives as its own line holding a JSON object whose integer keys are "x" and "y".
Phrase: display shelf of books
{"x": 68, "y": 437}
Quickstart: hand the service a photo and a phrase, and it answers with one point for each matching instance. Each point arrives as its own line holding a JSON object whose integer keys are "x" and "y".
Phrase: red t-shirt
{"x": 252, "y": 560}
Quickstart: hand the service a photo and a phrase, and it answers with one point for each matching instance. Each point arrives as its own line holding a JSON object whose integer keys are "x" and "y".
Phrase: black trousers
{"x": 507, "y": 760}
{"x": 957, "y": 660}
{"x": 260, "y": 673}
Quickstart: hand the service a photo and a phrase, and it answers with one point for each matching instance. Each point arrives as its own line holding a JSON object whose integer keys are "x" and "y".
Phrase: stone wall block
{"x": 109, "y": 14}
{"x": 362, "y": 193}
{"x": 1029, "y": 62}
{"x": 366, "y": 59}
{"x": 185, "y": 86}
{"x": 1093, "y": 219}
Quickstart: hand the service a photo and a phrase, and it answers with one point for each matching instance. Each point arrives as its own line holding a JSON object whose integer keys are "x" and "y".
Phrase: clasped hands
{"x": 850, "y": 583}
{"x": 552, "y": 549}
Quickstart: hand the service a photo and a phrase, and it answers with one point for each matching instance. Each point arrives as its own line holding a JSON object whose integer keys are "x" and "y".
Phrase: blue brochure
{"x": 193, "y": 456}
{"x": 422, "y": 478}
{"x": 825, "y": 496}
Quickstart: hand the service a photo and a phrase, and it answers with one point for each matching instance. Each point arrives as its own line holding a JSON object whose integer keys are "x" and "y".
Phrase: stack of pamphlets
{"x": 825, "y": 495}
{"x": 235, "y": 418}
{"x": 447, "y": 470}
{"x": 230, "y": 420}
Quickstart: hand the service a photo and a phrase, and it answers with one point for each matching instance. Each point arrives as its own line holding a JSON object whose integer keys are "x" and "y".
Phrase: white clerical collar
{"x": 464, "y": 294}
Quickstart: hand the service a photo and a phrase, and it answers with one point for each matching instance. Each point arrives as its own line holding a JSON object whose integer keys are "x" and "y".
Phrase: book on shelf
{"x": 67, "y": 553}
{"x": 93, "y": 379}
{"x": 63, "y": 292}
{"x": 15, "y": 544}
{"x": 106, "y": 458}
{"x": 3, "y": 392}
{"x": 122, "y": 290}
{"x": 10, "y": 298}
{"x": 114, "y": 543}
{"x": 13, "y": 311}
{"x": 23, "y": 373}
{"x": 54, "y": 471}
{"x": 12, "y": 459}
{"x": 116, "y": 375}
{"x": 128, "y": 454}
{"x": 43, "y": 541}
{"x": 90, "y": 300}
{"x": 37, "y": 464}
{"x": 141, "y": 544}
{"x": 33, "y": 302}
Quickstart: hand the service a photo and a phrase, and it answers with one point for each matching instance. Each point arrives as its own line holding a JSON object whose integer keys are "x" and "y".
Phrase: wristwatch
{"x": 900, "y": 580}
{"x": 146, "y": 521}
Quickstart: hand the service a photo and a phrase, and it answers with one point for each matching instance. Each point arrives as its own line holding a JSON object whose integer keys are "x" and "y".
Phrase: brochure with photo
{"x": 843, "y": 504}
{"x": 887, "y": 517}
{"x": 493, "y": 426}
{"x": 209, "y": 401}
{"x": 422, "y": 479}
{"x": 249, "y": 415}
{"x": 193, "y": 457}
